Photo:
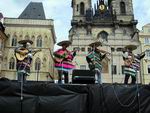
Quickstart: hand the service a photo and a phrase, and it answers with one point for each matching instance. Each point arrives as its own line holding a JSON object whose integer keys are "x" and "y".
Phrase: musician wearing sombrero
{"x": 94, "y": 59}
{"x": 132, "y": 63}
{"x": 63, "y": 60}
{"x": 24, "y": 59}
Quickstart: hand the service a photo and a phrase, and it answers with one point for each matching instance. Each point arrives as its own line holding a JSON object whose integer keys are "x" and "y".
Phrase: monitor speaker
{"x": 83, "y": 77}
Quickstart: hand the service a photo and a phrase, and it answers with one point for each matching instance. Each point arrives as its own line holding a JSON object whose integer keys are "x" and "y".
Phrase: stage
{"x": 46, "y": 97}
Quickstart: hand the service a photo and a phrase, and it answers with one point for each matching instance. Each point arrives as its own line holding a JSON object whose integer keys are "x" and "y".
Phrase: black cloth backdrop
{"x": 43, "y": 97}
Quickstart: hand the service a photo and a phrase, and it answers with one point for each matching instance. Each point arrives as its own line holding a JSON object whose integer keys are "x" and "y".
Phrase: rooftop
{"x": 34, "y": 10}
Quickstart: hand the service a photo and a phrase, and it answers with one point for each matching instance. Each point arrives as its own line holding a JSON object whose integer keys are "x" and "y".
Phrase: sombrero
{"x": 65, "y": 42}
{"x": 95, "y": 44}
{"x": 25, "y": 41}
{"x": 131, "y": 47}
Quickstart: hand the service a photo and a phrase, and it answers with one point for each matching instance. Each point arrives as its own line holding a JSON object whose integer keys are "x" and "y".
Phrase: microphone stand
{"x": 21, "y": 98}
{"x": 62, "y": 74}
{"x": 112, "y": 67}
{"x": 93, "y": 52}
{"x": 37, "y": 74}
{"x": 138, "y": 93}
{"x": 21, "y": 86}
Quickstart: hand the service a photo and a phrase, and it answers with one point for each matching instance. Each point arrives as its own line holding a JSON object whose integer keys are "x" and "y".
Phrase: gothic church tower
{"x": 109, "y": 21}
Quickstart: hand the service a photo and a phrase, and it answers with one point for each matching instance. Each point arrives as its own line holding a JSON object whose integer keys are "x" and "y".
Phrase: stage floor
{"x": 46, "y": 97}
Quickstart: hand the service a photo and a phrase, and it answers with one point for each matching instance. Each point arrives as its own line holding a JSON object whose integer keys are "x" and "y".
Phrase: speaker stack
{"x": 83, "y": 77}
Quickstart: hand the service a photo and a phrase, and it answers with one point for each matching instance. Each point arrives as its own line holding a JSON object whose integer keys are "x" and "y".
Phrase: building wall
{"x": 3, "y": 37}
{"x": 2, "y": 41}
{"x": 115, "y": 41}
{"x": 33, "y": 30}
{"x": 145, "y": 46}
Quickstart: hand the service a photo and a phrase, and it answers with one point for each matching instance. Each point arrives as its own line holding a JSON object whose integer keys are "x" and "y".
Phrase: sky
{"x": 61, "y": 12}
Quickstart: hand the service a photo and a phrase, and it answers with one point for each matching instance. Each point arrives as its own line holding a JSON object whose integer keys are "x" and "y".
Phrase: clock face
{"x": 102, "y": 7}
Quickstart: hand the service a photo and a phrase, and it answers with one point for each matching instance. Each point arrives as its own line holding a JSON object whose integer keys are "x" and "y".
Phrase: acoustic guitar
{"x": 23, "y": 53}
{"x": 65, "y": 55}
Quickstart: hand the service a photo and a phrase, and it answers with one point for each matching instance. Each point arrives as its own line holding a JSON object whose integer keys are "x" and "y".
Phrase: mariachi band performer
{"x": 24, "y": 55}
{"x": 94, "y": 59}
{"x": 63, "y": 60}
{"x": 132, "y": 63}
{"x": 24, "y": 59}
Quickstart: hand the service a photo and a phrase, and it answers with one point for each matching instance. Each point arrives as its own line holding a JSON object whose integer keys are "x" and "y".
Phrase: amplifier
{"x": 83, "y": 77}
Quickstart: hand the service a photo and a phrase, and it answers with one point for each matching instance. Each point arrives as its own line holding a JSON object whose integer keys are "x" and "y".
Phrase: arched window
{"x": 46, "y": 41}
{"x": 103, "y": 36}
{"x": 77, "y": 7}
{"x": 27, "y": 37}
{"x": 82, "y": 8}
{"x": 14, "y": 41}
{"x": 122, "y": 8}
{"x": 148, "y": 53}
{"x": 12, "y": 63}
{"x": 37, "y": 64}
{"x": 39, "y": 41}
{"x": 33, "y": 38}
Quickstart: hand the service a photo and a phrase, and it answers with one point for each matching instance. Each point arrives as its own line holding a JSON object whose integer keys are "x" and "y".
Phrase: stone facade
{"x": 3, "y": 37}
{"x": 38, "y": 31}
{"x": 145, "y": 46}
{"x": 114, "y": 26}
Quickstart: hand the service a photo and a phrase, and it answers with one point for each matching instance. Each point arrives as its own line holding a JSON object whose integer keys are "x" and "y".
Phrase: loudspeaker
{"x": 83, "y": 77}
